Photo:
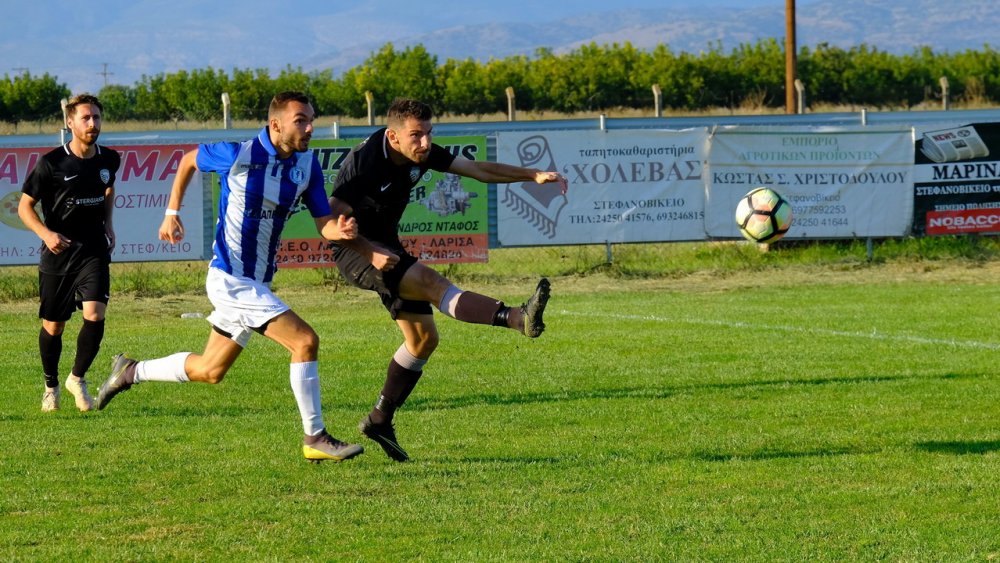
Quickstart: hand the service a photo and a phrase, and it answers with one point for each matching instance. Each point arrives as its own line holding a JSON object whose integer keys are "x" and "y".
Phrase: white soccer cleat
{"x": 78, "y": 388}
{"x": 50, "y": 400}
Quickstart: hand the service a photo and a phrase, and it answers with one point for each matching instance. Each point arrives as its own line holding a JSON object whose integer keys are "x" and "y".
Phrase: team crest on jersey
{"x": 297, "y": 175}
{"x": 105, "y": 175}
{"x": 414, "y": 173}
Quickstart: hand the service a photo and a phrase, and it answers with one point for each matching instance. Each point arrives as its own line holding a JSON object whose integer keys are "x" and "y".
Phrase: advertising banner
{"x": 957, "y": 179}
{"x": 141, "y": 192}
{"x": 624, "y": 186}
{"x": 842, "y": 182}
{"x": 446, "y": 221}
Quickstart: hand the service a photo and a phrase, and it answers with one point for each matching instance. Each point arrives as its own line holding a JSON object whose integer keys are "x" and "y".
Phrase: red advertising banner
{"x": 963, "y": 221}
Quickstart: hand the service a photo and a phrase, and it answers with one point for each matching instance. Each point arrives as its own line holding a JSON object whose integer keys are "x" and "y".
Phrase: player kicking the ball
{"x": 262, "y": 179}
{"x": 373, "y": 186}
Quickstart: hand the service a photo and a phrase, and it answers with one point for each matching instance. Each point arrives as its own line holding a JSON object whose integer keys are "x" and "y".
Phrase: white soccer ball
{"x": 762, "y": 215}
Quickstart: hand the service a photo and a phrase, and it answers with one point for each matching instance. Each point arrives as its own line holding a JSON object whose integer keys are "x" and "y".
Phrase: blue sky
{"x": 126, "y": 39}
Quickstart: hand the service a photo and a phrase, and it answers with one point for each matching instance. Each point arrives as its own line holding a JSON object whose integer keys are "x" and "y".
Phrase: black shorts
{"x": 61, "y": 294}
{"x": 359, "y": 272}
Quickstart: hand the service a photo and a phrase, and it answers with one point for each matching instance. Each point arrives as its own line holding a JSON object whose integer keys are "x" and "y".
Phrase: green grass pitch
{"x": 775, "y": 414}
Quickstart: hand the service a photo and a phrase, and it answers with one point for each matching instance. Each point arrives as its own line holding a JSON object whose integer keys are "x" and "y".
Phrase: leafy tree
{"x": 118, "y": 102}
{"x": 250, "y": 92}
{"x": 28, "y": 98}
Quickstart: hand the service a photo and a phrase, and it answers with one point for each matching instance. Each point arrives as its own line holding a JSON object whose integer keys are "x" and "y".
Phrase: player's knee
{"x": 215, "y": 375}
{"x": 307, "y": 345}
{"x": 424, "y": 345}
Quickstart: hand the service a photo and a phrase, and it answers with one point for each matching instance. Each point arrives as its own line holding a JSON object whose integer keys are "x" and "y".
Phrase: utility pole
{"x": 790, "y": 56}
{"x": 105, "y": 73}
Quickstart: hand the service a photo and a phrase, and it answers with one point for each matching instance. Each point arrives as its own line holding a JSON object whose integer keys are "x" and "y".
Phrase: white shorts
{"x": 241, "y": 305}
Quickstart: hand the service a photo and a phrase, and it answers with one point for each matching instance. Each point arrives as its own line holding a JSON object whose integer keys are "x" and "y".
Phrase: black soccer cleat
{"x": 121, "y": 379}
{"x": 385, "y": 436}
{"x": 532, "y": 310}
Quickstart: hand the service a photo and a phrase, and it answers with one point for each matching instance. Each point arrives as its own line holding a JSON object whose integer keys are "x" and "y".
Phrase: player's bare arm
{"x": 172, "y": 228}
{"x": 338, "y": 228}
{"x": 380, "y": 257}
{"x": 500, "y": 173}
{"x": 54, "y": 241}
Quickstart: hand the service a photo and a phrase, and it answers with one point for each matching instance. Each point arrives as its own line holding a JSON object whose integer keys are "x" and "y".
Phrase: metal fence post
{"x": 63, "y": 131}
{"x": 800, "y": 96}
{"x": 227, "y": 113}
{"x": 510, "y": 104}
{"x": 657, "y": 101}
{"x": 945, "y": 92}
{"x": 370, "y": 100}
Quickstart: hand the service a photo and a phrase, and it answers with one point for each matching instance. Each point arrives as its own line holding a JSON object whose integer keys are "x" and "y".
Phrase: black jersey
{"x": 379, "y": 190}
{"x": 72, "y": 195}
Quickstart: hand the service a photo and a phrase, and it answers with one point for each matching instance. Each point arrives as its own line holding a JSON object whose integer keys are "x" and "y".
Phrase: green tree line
{"x": 590, "y": 78}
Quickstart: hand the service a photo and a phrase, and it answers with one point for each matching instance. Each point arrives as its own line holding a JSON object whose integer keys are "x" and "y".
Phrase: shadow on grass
{"x": 960, "y": 448}
{"x": 778, "y": 454}
{"x": 645, "y": 392}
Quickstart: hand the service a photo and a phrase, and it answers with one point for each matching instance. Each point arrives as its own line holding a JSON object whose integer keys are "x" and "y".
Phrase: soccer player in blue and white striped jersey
{"x": 261, "y": 181}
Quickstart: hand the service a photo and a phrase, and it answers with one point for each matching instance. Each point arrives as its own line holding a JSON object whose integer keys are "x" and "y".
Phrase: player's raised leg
{"x": 421, "y": 283}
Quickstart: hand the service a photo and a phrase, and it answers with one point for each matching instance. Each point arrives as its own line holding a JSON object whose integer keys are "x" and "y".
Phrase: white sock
{"x": 449, "y": 301}
{"x": 169, "y": 369}
{"x": 304, "y": 378}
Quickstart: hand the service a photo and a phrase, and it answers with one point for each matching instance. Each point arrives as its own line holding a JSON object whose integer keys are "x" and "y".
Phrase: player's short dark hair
{"x": 82, "y": 99}
{"x": 281, "y": 100}
{"x": 402, "y": 109}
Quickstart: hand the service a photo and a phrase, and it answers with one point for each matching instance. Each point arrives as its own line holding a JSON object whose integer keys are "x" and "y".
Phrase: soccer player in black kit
{"x": 75, "y": 186}
{"x": 373, "y": 185}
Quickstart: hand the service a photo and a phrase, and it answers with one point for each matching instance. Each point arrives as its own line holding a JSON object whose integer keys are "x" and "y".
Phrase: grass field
{"x": 779, "y": 407}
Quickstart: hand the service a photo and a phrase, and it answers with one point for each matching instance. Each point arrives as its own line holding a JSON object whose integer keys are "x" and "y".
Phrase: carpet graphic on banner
{"x": 537, "y": 204}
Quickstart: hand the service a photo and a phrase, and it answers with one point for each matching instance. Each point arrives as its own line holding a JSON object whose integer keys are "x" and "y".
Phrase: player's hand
{"x": 544, "y": 177}
{"x": 56, "y": 243}
{"x": 109, "y": 234}
{"x": 172, "y": 229}
{"x": 384, "y": 260}
{"x": 348, "y": 227}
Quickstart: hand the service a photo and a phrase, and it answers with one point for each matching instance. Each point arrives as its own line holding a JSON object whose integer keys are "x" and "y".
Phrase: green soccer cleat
{"x": 532, "y": 310}
{"x": 121, "y": 379}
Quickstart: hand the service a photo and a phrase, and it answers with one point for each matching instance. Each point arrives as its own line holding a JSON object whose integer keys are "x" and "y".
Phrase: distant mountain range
{"x": 136, "y": 38}
{"x": 890, "y": 25}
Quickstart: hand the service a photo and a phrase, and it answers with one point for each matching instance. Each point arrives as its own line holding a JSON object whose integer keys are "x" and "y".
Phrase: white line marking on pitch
{"x": 874, "y": 335}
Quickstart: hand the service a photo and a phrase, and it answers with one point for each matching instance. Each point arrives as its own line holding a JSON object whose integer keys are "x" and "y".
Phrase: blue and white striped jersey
{"x": 259, "y": 194}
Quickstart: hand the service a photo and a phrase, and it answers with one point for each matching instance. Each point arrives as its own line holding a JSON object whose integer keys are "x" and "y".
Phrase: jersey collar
{"x": 265, "y": 140}
{"x": 69, "y": 152}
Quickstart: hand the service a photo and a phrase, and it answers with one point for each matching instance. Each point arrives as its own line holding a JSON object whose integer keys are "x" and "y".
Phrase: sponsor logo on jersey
{"x": 414, "y": 173}
{"x": 105, "y": 175}
{"x": 68, "y": 178}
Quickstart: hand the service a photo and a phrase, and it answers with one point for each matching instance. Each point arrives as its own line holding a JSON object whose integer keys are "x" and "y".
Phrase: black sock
{"x": 88, "y": 343}
{"x": 399, "y": 383}
{"x": 50, "y": 348}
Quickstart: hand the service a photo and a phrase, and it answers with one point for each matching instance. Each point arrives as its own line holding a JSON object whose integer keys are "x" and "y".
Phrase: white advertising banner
{"x": 141, "y": 192}
{"x": 842, "y": 182}
{"x": 624, "y": 186}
